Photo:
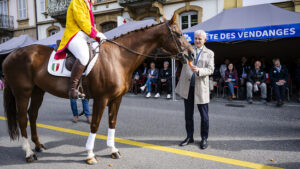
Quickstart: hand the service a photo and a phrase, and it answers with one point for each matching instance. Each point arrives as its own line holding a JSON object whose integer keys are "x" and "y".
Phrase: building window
{"x": 3, "y": 7}
{"x": 108, "y": 26}
{"x": 43, "y": 6}
{"x": 4, "y": 39}
{"x": 52, "y": 32}
{"x": 22, "y": 9}
{"x": 188, "y": 19}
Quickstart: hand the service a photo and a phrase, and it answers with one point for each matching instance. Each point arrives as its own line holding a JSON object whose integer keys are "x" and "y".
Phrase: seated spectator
{"x": 213, "y": 80}
{"x": 231, "y": 79}
{"x": 1, "y": 83}
{"x": 165, "y": 77}
{"x": 145, "y": 69}
{"x": 243, "y": 69}
{"x": 298, "y": 79}
{"x": 222, "y": 70}
{"x": 256, "y": 80}
{"x": 152, "y": 78}
{"x": 136, "y": 77}
{"x": 279, "y": 79}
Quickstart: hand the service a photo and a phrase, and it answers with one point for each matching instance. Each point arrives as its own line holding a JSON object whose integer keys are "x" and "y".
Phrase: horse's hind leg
{"x": 113, "y": 113}
{"x": 22, "y": 100}
{"x": 35, "y": 103}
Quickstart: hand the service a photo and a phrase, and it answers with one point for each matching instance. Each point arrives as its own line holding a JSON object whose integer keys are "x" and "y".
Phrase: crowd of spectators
{"x": 244, "y": 80}
{"x": 249, "y": 79}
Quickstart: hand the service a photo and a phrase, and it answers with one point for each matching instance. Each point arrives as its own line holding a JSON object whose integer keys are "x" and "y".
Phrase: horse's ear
{"x": 164, "y": 19}
{"x": 173, "y": 20}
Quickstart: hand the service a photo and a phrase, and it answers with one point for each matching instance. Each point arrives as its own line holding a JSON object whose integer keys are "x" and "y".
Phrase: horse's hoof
{"x": 92, "y": 161}
{"x": 116, "y": 155}
{"x": 40, "y": 148}
{"x": 31, "y": 158}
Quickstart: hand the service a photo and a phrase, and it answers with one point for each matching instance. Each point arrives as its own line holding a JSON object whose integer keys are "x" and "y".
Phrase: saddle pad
{"x": 58, "y": 67}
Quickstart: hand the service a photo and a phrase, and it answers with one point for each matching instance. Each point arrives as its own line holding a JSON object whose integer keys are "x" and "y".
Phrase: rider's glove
{"x": 100, "y": 36}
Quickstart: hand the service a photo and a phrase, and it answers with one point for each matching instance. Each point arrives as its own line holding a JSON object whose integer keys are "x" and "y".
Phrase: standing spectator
{"x": 165, "y": 77}
{"x": 222, "y": 71}
{"x": 193, "y": 86}
{"x": 231, "y": 79}
{"x": 279, "y": 78}
{"x": 298, "y": 79}
{"x": 152, "y": 78}
{"x": 256, "y": 80}
{"x": 213, "y": 80}
{"x": 243, "y": 69}
{"x": 85, "y": 107}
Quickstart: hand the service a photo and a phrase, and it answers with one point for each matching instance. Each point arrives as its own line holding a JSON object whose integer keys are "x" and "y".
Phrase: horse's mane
{"x": 137, "y": 30}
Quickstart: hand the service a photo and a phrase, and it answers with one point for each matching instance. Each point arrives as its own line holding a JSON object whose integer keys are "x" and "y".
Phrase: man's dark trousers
{"x": 189, "y": 115}
{"x": 279, "y": 91}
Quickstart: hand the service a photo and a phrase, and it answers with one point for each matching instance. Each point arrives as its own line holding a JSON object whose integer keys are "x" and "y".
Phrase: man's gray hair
{"x": 201, "y": 33}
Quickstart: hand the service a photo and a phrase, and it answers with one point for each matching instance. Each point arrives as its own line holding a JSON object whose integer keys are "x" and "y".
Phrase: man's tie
{"x": 198, "y": 51}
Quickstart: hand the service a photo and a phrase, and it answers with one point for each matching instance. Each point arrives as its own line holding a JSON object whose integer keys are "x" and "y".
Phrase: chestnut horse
{"x": 27, "y": 80}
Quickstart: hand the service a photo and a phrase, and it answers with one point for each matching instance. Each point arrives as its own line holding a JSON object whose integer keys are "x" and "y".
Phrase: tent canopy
{"x": 15, "y": 43}
{"x": 51, "y": 40}
{"x": 254, "y": 22}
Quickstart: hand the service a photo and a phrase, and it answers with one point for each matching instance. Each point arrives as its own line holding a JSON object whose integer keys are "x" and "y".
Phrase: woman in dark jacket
{"x": 231, "y": 79}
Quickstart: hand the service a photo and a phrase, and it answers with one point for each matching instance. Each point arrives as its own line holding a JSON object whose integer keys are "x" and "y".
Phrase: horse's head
{"x": 175, "y": 43}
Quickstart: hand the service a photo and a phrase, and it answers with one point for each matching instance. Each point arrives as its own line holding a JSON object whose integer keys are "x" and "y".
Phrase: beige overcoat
{"x": 206, "y": 67}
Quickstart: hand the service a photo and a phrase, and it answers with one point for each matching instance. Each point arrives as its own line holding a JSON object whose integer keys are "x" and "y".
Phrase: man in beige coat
{"x": 193, "y": 86}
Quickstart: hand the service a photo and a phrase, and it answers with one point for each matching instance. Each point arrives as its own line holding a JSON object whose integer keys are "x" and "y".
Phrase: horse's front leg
{"x": 98, "y": 109}
{"x": 113, "y": 112}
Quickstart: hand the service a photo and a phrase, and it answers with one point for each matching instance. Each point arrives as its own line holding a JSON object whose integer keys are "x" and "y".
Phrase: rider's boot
{"x": 76, "y": 74}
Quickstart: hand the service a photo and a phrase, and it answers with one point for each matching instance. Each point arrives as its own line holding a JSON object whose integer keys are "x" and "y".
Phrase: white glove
{"x": 101, "y": 36}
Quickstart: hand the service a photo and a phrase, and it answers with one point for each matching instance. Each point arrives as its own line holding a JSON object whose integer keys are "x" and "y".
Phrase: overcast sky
{"x": 257, "y": 2}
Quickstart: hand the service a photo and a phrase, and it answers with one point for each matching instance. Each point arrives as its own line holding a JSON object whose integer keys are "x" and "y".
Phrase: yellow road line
{"x": 162, "y": 148}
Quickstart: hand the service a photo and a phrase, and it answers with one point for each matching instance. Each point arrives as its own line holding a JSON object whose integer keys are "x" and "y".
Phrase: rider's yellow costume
{"x": 79, "y": 18}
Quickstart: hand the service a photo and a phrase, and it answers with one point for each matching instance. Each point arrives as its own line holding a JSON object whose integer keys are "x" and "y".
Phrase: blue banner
{"x": 265, "y": 32}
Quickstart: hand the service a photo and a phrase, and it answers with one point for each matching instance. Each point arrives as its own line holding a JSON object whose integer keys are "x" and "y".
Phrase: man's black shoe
{"x": 203, "y": 144}
{"x": 187, "y": 141}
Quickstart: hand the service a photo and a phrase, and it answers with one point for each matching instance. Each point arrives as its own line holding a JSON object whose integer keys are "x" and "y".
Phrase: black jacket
{"x": 165, "y": 74}
{"x": 254, "y": 76}
{"x": 298, "y": 74}
{"x": 275, "y": 76}
{"x": 240, "y": 68}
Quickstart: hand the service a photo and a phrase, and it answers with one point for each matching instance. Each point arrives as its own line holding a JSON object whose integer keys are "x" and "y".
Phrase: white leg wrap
{"x": 110, "y": 138}
{"x": 90, "y": 142}
{"x": 26, "y": 147}
{"x": 90, "y": 154}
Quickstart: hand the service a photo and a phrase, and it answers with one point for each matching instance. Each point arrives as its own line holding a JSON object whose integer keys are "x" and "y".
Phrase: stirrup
{"x": 79, "y": 94}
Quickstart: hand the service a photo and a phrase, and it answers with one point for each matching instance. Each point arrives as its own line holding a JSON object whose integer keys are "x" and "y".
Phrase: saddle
{"x": 70, "y": 60}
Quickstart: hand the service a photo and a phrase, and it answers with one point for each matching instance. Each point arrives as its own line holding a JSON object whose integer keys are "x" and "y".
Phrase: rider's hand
{"x": 101, "y": 36}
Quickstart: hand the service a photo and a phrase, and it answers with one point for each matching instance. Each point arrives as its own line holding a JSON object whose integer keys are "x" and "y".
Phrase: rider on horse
{"x": 79, "y": 28}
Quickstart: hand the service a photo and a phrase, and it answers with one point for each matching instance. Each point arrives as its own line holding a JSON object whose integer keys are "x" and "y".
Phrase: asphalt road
{"x": 257, "y": 133}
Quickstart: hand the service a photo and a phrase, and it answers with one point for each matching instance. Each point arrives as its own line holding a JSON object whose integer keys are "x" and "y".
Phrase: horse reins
{"x": 151, "y": 56}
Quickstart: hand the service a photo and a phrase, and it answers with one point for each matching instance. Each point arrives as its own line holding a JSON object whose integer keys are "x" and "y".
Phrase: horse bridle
{"x": 179, "y": 54}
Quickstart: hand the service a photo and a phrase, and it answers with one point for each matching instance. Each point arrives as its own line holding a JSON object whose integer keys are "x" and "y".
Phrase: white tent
{"x": 15, "y": 43}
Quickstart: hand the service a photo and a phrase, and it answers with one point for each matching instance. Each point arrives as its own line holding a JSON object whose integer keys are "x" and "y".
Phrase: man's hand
{"x": 100, "y": 36}
{"x": 194, "y": 69}
{"x": 163, "y": 80}
{"x": 258, "y": 82}
{"x": 211, "y": 78}
{"x": 229, "y": 80}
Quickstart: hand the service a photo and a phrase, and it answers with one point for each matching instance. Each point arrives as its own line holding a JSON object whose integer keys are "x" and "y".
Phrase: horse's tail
{"x": 10, "y": 112}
